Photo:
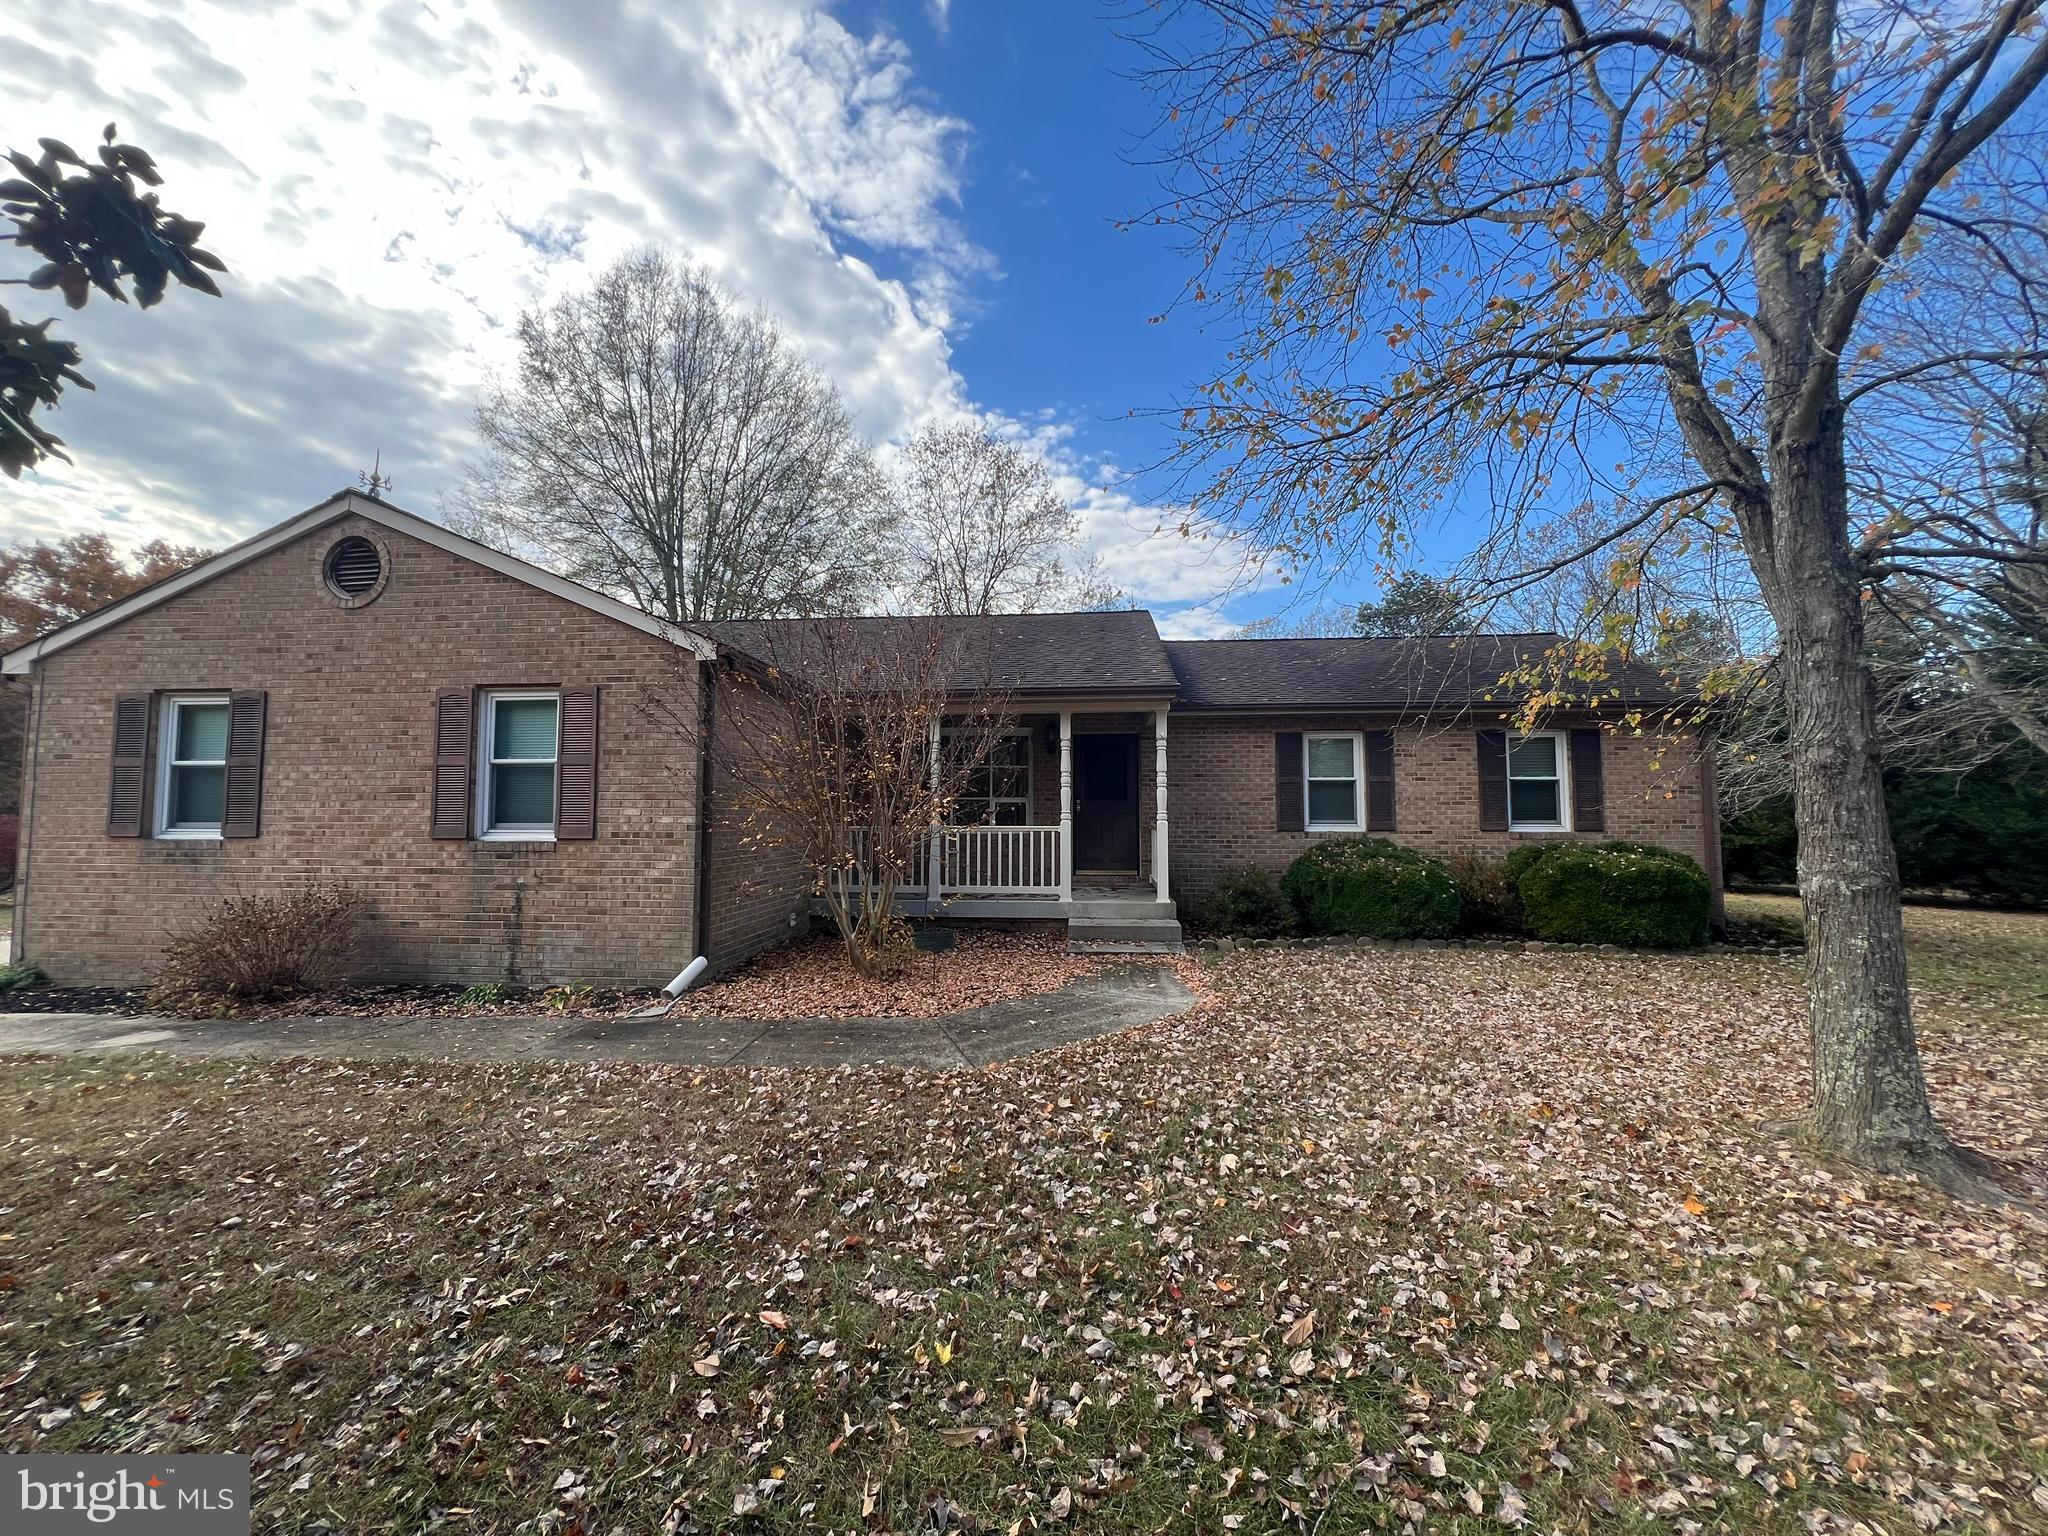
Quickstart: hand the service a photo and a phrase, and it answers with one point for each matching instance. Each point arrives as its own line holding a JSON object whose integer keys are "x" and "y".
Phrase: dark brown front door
{"x": 1106, "y": 802}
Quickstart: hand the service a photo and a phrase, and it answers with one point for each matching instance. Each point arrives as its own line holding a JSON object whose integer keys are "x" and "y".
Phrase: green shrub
{"x": 246, "y": 951}
{"x": 1487, "y": 902}
{"x": 1374, "y": 888}
{"x": 566, "y": 997}
{"x": 22, "y": 973}
{"x": 1616, "y": 893}
{"x": 483, "y": 994}
{"x": 1524, "y": 857}
{"x": 1247, "y": 904}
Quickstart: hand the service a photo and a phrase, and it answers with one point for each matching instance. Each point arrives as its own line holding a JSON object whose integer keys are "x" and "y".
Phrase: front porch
{"x": 1100, "y": 919}
{"x": 1071, "y": 825}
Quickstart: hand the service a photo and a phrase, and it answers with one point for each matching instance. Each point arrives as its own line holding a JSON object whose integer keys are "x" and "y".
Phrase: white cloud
{"x": 1199, "y": 621}
{"x": 391, "y": 183}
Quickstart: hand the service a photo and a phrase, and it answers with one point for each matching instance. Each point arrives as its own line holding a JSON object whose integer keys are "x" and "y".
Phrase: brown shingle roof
{"x": 1113, "y": 651}
{"x": 1441, "y": 672}
{"x": 1120, "y": 652}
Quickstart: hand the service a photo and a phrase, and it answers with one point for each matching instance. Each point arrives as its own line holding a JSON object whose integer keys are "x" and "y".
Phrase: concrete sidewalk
{"x": 1101, "y": 1004}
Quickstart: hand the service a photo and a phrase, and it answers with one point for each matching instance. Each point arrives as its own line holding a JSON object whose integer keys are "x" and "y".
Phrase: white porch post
{"x": 1066, "y": 805}
{"x": 931, "y": 860}
{"x": 1159, "y": 856}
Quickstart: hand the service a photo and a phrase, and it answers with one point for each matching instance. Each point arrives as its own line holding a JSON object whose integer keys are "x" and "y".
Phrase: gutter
{"x": 706, "y": 721}
{"x": 31, "y": 754}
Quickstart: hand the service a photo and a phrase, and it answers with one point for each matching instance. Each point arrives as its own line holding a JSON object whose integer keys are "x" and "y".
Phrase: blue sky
{"x": 928, "y": 199}
{"x": 1051, "y": 167}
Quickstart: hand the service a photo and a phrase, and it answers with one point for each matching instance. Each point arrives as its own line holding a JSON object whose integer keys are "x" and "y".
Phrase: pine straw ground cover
{"x": 1373, "y": 1239}
{"x": 810, "y": 979}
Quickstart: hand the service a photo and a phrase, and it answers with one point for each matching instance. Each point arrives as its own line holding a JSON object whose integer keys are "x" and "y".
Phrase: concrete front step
{"x": 1133, "y": 907}
{"x": 1160, "y": 931}
{"x": 1094, "y": 947}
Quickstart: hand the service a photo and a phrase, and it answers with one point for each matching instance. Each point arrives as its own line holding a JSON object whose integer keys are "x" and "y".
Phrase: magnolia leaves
{"x": 92, "y": 228}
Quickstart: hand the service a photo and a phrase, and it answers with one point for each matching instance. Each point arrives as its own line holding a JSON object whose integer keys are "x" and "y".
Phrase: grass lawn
{"x": 1374, "y": 1239}
{"x": 1964, "y": 964}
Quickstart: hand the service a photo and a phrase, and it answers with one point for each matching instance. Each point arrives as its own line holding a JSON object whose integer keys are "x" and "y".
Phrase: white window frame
{"x": 486, "y": 766}
{"x": 1357, "y": 740}
{"x": 166, "y": 764}
{"x": 989, "y": 801}
{"x": 1564, "y": 781}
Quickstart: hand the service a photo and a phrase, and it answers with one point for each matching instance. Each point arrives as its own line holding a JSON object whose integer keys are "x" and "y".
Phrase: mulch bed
{"x": 119, "y": 1000}
{"x": 805, "y": 979}
{"x": 426, "y": 1000}
{"x": 399, "y": 1001}
{"x": 809, "y": 978}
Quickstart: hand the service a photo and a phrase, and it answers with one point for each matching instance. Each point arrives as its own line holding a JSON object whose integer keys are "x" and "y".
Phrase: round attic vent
{"x": 354, "y": 567}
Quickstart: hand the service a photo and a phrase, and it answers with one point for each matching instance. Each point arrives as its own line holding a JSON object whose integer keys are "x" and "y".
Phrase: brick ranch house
{"x": 358, "y": 694}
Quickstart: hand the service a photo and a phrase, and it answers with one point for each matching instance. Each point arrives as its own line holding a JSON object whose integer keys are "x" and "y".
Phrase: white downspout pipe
{"x": 686, "y": 977}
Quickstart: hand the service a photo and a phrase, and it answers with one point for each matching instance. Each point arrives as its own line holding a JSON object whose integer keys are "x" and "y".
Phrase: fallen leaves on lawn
{"x": 809, "y": 978}
{"x": 1378, "y": 1238}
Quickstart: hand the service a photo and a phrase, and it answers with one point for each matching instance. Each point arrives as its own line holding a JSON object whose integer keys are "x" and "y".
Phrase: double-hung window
{"x": 998, "y": 793}
{"x": 1537, "y": 801}
{"x": 516, "y": 765}
{"x": 1331, "y": 765}
{"x": 192, "y": 767}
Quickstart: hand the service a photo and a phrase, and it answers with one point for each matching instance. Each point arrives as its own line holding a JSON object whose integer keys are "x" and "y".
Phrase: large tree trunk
{"x": 1869, "y": 1096}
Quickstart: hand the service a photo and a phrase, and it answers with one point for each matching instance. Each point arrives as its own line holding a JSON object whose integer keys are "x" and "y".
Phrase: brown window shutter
{"x": 1379, "y": 780}
{"x": 576, "y": 765}
{"x": 1288, "y": 809}
{"x": 242, "y": 816}
{"x": 1589, "y": 790}
{"x": 454, "y": 752}
{"x": 128, "y": 782}
{"x": 1493, "y": 781}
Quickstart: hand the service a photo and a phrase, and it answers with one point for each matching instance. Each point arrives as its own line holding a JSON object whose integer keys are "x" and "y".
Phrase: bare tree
{"x": 986, "y": 529}
{"x": 844, "y": 743}
{"x": 1542, "y": 252}
{"x": 1307, "y": 621}
{"x": 660, "y": 441}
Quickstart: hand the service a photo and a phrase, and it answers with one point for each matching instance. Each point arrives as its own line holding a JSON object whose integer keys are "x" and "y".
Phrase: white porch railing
{"x": 999, "y": 861}
{"x": 981, "y": 861}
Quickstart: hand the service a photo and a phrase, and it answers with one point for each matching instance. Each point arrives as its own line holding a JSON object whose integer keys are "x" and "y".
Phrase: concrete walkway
{"x": 1101, "y": 1004}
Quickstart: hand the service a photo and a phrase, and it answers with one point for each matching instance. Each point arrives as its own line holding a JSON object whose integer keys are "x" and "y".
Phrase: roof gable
{"x": 370, "y": 509}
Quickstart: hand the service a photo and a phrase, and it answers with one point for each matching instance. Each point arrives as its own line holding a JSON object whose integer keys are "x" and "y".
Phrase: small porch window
{"x": 998, "y": 793}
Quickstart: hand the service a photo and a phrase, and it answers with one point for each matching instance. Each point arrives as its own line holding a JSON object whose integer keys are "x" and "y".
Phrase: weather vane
{"x": 374, "y": 480}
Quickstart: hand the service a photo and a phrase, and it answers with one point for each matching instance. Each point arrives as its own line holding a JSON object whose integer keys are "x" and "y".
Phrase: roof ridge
{"x": 1469, "y": 634}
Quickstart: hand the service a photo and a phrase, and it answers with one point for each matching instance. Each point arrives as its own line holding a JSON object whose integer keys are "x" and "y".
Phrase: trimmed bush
{"x": 1524, "y": 857}
{"x": 1372, "y": 888}
{"x": 247, "y": 951}
{"x": 1616, "y": 893}
{"x": 1247, "y": 904}
{"x": 1487, "y": 902}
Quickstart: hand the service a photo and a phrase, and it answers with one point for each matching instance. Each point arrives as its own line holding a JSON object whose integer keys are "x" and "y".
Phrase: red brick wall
{"x": 1221, "y": 813}
{"x": 346, "y": 776}
{"x": 757, "y": 888}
